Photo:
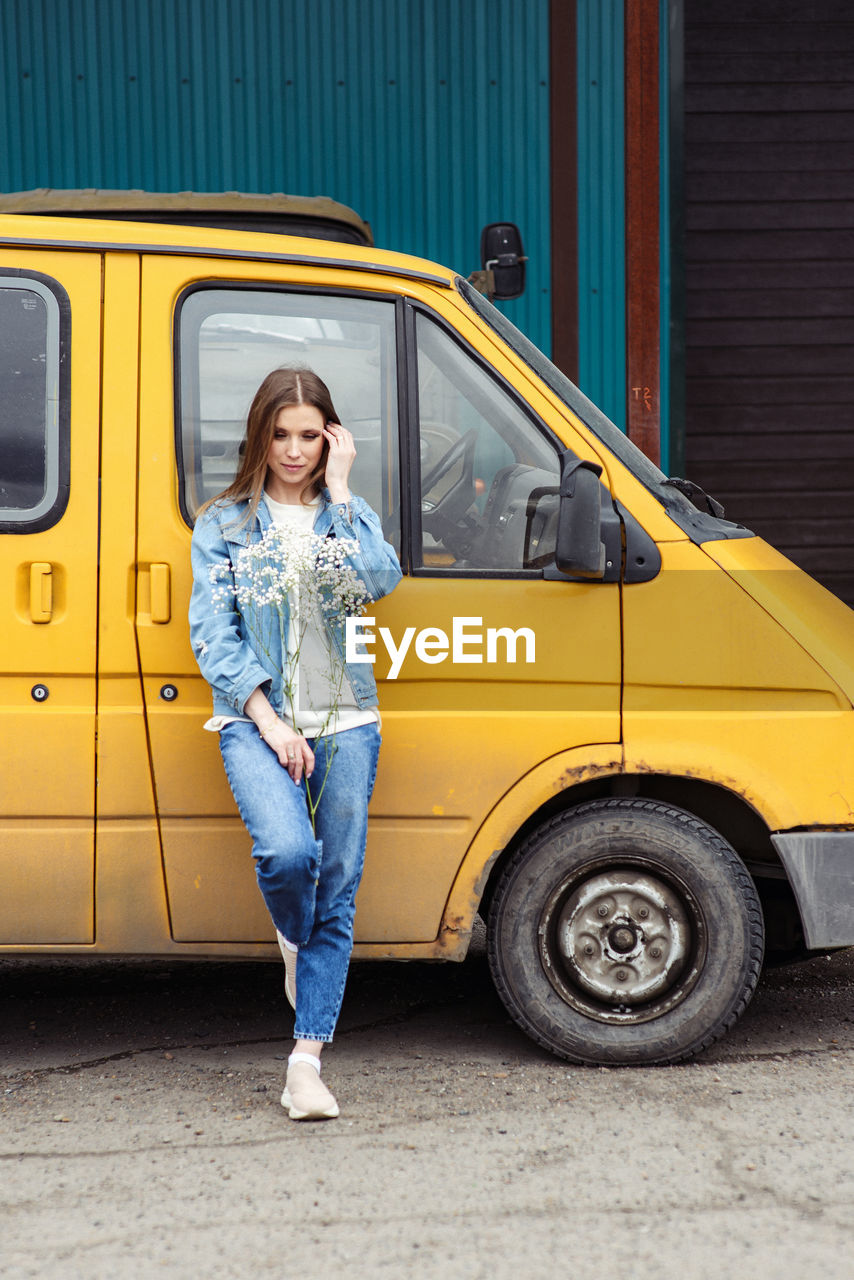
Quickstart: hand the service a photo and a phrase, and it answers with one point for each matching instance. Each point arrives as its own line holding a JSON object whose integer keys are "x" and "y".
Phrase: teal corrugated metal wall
{"x": 430, "y": 117}
{"x": 601, "y": 206}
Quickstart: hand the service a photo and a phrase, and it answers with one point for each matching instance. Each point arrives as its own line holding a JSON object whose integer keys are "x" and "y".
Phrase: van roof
{"x": 80, "y": 232}
{"x": 241, "y": 211}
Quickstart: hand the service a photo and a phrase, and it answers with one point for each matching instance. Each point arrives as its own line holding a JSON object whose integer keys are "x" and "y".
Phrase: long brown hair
{"x": 280, "y": 389}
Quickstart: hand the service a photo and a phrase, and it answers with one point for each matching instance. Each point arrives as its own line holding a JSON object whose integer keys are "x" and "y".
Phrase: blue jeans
{"x": 308, "y": 884}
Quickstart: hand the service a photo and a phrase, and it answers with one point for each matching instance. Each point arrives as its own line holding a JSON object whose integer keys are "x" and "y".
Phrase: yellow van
{"x": 616, "y": 725}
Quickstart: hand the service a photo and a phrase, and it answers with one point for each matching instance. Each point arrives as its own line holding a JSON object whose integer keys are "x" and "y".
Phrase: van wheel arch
{"x": 723, "y": 810}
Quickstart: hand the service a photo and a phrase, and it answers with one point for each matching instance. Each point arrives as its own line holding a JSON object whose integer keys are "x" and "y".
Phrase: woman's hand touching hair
{"x": 339, "y": 460}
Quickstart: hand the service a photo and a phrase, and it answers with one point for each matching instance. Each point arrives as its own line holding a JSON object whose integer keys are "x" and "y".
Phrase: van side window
{"x": 489, "y": 476}
{"x": 229, "y": 339}
{"x": 34, "y": 404}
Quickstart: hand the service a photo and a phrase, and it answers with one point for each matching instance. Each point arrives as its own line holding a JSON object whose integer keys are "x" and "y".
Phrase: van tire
{"x": 625, "y": 932}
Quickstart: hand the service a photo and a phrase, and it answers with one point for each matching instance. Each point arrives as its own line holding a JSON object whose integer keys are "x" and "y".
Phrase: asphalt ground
{"x": 141, "y": 1133}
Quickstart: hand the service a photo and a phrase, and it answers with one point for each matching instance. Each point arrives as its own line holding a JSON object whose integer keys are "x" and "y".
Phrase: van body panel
{"x": 47, "y": 881}
{"x": 697, "y": 643}
{"x": 533, "y": 792}
{"x": 133, "y": 916}
{"x": 201, "y": 243}
{"x": 785, "y": 765}
{"x": 817, "y": 620}
{"x": 401, "y": 898}
{"x": 716, "y": 688}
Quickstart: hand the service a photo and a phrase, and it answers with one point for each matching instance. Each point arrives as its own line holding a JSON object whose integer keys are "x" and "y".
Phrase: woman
{"x": 286, "y": 706}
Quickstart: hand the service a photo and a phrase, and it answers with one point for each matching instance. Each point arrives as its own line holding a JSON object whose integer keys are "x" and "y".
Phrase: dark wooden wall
{"x": 769, "y": 271}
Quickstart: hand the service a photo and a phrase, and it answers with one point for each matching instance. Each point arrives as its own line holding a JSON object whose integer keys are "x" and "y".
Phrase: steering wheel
{"x": 435, "y": 438}
{"x": 450, "y": 519}
{"x": 462, "y": 448}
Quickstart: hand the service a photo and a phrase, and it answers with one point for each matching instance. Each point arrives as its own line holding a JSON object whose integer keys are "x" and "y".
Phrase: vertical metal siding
{"x": 665, "y": 54}
{"x": 430, "y": 117}
{"x": 601, "y": 206}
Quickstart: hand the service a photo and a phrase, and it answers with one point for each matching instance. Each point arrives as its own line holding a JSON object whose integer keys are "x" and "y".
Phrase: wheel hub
{"x": 624, "y": 937}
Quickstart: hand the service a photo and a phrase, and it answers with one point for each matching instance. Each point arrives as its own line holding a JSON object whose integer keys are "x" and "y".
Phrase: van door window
{"x": 230, "y": 339}
{"x": 488, "y": 475}
{"x": 33, "y": 405}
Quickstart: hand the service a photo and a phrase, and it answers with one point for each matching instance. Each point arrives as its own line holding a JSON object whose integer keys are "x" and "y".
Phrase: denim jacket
{"x": 225, "y": 642}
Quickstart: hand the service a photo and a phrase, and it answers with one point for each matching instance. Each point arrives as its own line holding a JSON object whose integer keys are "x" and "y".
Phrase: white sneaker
{"x": 289, "y": 955}
{"x": 305, "y": 1096}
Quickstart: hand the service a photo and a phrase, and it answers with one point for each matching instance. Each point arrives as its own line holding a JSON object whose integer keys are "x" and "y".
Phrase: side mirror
{"x": 580, "y": 551}
{"x": 501, "y": 253}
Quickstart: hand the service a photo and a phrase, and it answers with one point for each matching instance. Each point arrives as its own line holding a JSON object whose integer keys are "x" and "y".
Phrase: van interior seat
{"x": 505, "y": 540}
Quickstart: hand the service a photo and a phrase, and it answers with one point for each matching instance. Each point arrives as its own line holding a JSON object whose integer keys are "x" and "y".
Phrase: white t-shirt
{"x": 321, "y": 698}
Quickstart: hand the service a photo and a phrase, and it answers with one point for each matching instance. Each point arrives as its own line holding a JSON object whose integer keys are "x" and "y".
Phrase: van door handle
{"x": 161, "y": 593}
{"x": 41, "y": 591}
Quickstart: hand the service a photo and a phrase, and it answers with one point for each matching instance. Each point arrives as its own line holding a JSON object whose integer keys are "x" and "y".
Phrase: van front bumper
{"x": 820, "y": 867}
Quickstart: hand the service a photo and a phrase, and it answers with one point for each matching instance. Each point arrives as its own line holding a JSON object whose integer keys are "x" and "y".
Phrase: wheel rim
{"x": 622, "y": 944}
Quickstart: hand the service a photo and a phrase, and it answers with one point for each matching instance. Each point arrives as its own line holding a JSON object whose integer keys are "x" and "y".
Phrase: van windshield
{"x": 698, "y": 524}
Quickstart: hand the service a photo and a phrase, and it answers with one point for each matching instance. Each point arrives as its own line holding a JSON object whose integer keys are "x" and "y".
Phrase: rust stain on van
{"x": 585, "y": 773}
{"x": 456, "y": 928}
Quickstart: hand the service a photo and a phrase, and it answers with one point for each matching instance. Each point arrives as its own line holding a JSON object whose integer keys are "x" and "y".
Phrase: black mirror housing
{"x": 580, "y": 551}
{"x": 501, "y": 253}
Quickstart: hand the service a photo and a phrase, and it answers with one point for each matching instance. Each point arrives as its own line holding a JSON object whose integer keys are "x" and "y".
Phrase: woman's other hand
{"x": 292, "y": 750}
{"x": 342, "y": 453}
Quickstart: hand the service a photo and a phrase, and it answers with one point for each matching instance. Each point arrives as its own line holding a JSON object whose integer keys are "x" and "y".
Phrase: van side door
{"x": 50, "y": 361}
{"x": 493, "y": 661}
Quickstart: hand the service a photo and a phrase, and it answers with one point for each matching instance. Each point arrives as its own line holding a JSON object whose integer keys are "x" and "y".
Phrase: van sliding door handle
{"x": 161, "y": 593}
{"x": 41, "y": 592}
